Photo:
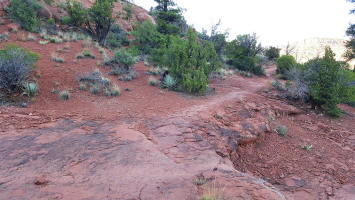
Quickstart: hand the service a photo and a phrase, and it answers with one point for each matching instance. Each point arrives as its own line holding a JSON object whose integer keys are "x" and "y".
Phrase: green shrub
{"x": 82, "y": 86}
{"x": 147, "y": 37}
{"x": 278, "y": 85}
{"x": 122, "y": 59}
{"x": 100, "y": 19}
{"x": 195, "y": 82}
{"x": 128, "y": 8}
{"x": 25, "y": 13}
{"x": 272, "y": 53}
{"x": 284, "y": 64}
{"x": 322, "y": 81}
{"x": 4, "y": 36}
{"x": 116, "y": 37}
{"x": 281, "y": 130}
{"x": 169, "y": 82}
{"x": 88, "y": 53}
{"x": 64, "y": 95}
{"x": 152, "y": 81}
{"x": 95, "y": 89}
{"x": 115, "y": 91}
{"x": 16, "y": 64}
{"x": 30, "y": 89}
{"x": 242, "y": 54}
{"x": 190, "y": 62}
{"x": 56, "y": 58}
{"x": 327, "y": 84}
{"x": 76, "y": 13}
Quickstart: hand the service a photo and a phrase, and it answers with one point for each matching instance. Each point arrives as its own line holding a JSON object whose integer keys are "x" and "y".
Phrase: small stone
{"x": 41, "y": 181}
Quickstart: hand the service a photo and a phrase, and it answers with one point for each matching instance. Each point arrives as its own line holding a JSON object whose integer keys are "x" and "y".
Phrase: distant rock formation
{"x": 314, "y": 47}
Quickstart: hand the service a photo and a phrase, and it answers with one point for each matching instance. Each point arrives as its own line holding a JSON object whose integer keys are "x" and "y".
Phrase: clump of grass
{"x": 211, "y": 192}
{"x": 153, "y": 81}
{"x": 31, "y": 37}
{"x": 86, "y": 53}
{"x": 82, "y": 86}
{"x": 56, "y": 58}
{"x": 200, "y": 181}
{"x": 64, "y": 95}
{"x": 169, "y": 82}
{"x": 43, "y": 42}
{"x": 67, "y": 47}
{"x": 307, "y": 147}
{"x": 115, "y": 91}
{"x": 59, "y": 50}
{"x": 95, "y": 89}
{"x": 4, "y": 36}
{"x": 278, "y": 85}
{"x": 54, "y": 39}
{"x": 30, "y": 89}
{"x": 79, "y": 56}
{"x": 281, "y": 130}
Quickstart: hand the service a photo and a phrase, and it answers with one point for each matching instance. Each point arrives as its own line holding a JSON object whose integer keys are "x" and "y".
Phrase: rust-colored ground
{"x": 150, "y": 143}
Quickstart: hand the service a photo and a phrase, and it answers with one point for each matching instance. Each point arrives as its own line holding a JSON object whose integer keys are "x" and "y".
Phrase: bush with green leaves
{"x": 169, "y": 82}
{"x": 30, "y": 89}
{"x": 272, "y": 53}
{"x": 324, "y": 82}
{"x": 284, "y": 64}
{"x": 76, "y": 13}
{"x": 64, "y": 95}
{"x": 16, "y": 64}
{"x": 169, "y": 18}
{"x": 242, "y": 54}
{"x": 122, "y": 58}
{"x": 128, "y": 8}
{"x": 281, "y": 130}
{"x": 147, "y": 37}
{"x": 116, "y": 37}
{"x": 25, "y": 12}
{"x": 190, "y": 62}
{"x": 327, "y": 83}
{"x": 97, "y": 19}
{"x": 100, "y": 19}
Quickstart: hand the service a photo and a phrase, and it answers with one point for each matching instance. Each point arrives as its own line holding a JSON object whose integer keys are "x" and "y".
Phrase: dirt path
{"x": 178, "y": 154}
{"x": 81, "y": 159}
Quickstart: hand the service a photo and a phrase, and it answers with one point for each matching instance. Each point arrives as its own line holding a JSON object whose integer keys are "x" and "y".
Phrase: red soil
{"x": 325, "y": 172}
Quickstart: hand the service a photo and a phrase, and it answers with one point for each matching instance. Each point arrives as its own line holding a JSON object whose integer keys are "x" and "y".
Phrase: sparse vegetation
{"x": 284, "y": 64}
{"x": 281, "y": 130}
{"x": 56, "y": 58}
{"x": 169, "y": 82}
{"x": 30, "y": 89}
{"x": 4, "y": 37}
{"x": 64, "y": 95}
{"x": 153, "y": 81}
{"x": 211, "y": 192}
{"x": 116, "y": 37}
{"x": 324, "y": 82}
{"x": 82, "y": 86}
{"x": 16, "y": 64}
{"x": 25, "y": 13}
{"x": 242, "y": 54}
{"x": 272, "y": 53}
{"x": 98, "y": 83}
{"x": 86, "y": 53}
{"x": 307, "y": 147}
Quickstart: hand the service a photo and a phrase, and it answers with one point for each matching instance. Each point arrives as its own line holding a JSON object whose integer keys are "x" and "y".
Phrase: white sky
{"x": 276, "y": 22}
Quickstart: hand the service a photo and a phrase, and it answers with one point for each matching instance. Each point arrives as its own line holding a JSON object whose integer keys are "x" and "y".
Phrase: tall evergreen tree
{"x": 168, "y": 17}
{"x": 350, "y": 45}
